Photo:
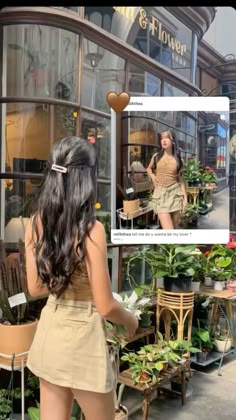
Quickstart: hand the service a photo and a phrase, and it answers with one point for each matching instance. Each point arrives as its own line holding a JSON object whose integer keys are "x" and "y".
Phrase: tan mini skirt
{"x": 167, "y": 200}
{"x": 70, "y": 349}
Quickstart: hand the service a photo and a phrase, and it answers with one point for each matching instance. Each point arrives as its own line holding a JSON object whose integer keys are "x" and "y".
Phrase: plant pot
{"x": 165, "y": 367}
{"x": 219, "y": 285}
{"x": 159, "y": 282}
{"x": 180, "y": 284}
{"x": 195, "y": 286}
{"x": 231, "y": 285}
{"x": 121, "y": 413}
{"x": 145, "y": 320}
{"x": 16, "y": 339}
{"x": 130, "y": 206}
{"x": 223, "y": 345}
{"x": 194, "y": 183}
{"x": 201, "y": 356}
{"x": 208, "y": 281}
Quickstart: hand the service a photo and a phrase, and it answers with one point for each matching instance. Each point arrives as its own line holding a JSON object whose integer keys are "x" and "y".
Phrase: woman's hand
{"x": 154, "y": 180}
{"x": 185, "y": 203}
{"x": 131, "y": 325}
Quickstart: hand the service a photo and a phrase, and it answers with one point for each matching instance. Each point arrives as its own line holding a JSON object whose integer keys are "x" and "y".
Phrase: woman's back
{"x": 80, "y": 288}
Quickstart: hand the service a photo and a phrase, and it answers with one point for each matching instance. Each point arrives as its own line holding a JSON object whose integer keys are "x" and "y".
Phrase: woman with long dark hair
{"x": 66, "y": 257}
{"x": 165, "y": 169}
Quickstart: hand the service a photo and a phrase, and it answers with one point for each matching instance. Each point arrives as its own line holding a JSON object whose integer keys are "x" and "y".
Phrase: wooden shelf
{"x": 164, "y": 378}
{"x": 140, "y": 333}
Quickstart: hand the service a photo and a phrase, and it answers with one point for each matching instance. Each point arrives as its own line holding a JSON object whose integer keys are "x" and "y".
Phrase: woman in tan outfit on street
{"x": 165, "y": 169}
{"x": 66, "y": 258}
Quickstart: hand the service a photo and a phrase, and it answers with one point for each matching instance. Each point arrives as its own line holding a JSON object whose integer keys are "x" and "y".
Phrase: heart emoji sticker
{"x": 118, "y": 102}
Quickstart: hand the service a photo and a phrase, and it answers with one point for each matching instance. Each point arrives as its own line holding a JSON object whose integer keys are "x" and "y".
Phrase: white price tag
{"x": 129, "y": 190}
{"x": 18, "y": 299}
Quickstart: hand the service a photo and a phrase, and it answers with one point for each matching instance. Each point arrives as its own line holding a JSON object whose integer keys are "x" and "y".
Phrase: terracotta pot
{"x": 165, "y": 367}
{"x": 131, "y": 206}
{"x": 122, "y": 414}
{"x": 16, "y": 339}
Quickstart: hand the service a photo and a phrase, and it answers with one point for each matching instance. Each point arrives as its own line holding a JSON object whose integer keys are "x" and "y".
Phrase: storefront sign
{"x": 156, "y": 29}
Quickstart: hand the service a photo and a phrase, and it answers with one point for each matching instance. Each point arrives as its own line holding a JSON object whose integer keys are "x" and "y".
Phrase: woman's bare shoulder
{"x": 97, "y": 233}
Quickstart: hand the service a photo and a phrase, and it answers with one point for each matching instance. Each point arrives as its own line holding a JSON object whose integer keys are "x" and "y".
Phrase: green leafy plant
{"x": 181, "y": 347}
{"x": 143, "y": 371}
{"x": 168, "y": 260}
{"x": 5, "y": 404}
{"x": 221, "y": 261}
{"x": 173, "y": 261}
{"x": 13, "y": 282}
{"x": 209, "y": 176}
{"x": 128, "y": 188}
{"x": 148, "y": 363}
{"x": 192, "y": 170}
{"x": 201, "y": 338}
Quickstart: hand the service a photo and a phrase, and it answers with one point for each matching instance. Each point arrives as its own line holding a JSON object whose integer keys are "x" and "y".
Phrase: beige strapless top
{"x": 166, "y": 171}
{"x": 80, "y": 288}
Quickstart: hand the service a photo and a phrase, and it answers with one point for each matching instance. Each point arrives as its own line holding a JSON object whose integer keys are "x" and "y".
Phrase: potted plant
{"x": 183, "y": 348}
{"x": 221, "y": 259}
{"x": 209, "y": 177}
{"x": 222, "y": 340}
{"x": 16, "y": 328}
{"x": 201, "y": 339}
{"x": 175, "y": 263}
{"x": 207, "y": 266}
{"x": 131, "y": 204}
{"x": 146, "y": 317}
{"x": 198, "y": 277}
{"x": 189, "y": 218}
{"x": 143, "y": 371}
{"x": 134, "y": 303}
{"x": 192, "y": 172}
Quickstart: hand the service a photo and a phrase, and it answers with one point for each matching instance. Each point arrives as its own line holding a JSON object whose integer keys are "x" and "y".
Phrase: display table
{"x": 164, "y": 378}
{"x": 221, "y": 301}
{"x": 224, "y": 296}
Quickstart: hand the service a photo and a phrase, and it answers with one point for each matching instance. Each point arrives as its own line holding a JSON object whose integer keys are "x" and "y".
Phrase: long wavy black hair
{"x": 175, "y": 151}
{"x": 66, "y": 208}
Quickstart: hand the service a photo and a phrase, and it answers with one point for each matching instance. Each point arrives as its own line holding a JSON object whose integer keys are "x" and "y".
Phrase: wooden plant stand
{"x": 165, "y": 378}
{"x": 178, "y": 306}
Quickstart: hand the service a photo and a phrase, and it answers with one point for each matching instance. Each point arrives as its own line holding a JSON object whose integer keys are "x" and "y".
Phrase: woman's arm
{"x": 99, "y": 278}
{"x": 150, "y": 172}
{"x": 183, "y": 189}
{"x": 36, "y": 288}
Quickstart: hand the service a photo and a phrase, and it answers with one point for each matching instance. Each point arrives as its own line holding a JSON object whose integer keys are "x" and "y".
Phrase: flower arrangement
{"x": 209, "y": 176}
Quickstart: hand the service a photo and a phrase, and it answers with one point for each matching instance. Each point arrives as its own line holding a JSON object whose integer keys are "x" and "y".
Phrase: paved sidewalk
{"x": 218, "y": 218}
